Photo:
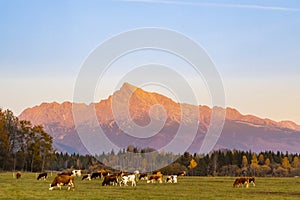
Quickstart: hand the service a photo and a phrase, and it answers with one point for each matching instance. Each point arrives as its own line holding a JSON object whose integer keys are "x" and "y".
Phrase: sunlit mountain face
{"x": 243, "y": 132}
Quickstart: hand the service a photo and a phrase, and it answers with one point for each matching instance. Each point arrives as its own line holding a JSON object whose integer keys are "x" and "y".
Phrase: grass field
{"x": 187, "y": 188}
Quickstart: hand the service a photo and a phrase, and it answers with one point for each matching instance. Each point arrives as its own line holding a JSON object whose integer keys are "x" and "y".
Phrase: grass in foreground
{"x": 187, "y": 188}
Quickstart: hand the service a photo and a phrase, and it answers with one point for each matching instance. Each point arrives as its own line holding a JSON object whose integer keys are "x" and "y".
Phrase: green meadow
{"x": 27, "y": 187}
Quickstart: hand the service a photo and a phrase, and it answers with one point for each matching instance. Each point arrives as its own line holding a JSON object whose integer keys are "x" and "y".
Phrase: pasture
{"x": 27, "y": 187}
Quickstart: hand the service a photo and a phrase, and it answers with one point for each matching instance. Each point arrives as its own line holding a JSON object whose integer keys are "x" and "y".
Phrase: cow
{"x": 128, "y": 179}
{"x": 241, "y": 181}
{"x": 183, "y": 173}
{"x": 76, "y": 172}
{"x": 87, "y": 176}
{"x": 95, "y": 175}
{"x": 155, "y": 177}
{"x": 110, "y": 178}
{"x": 61, "y": 180}
{"x": 171, "y": 179}
{"x": 252, "y": 180}
{"x": 18, "y": 175}
{"x": 143, "y": 176}
{"x": 42, "y": 175}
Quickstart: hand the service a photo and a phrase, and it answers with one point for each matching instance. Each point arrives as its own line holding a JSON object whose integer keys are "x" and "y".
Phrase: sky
{"x": 254, "y": 45}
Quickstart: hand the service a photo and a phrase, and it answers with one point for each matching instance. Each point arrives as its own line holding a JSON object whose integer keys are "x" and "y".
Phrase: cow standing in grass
{"x": 87, "y": 176}
{"x": 241, "y": 181}
{"x": 171, "y": 179}
{"x": 42, "y": 175}
{"x": 252, "y": 180}
{"x": 95, "y": 175}
{"x": 158, "y": 177}
{"x": 110, "y": 179}
{"x": 61, "y": 180}
{"x": 143, "y": 176}
{"x": 18, "y": 175}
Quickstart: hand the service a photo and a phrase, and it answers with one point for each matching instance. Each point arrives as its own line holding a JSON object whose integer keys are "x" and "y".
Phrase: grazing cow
{"x": 252, "y": 180}
{"x": 155, "y": 177}
{"x": 128, "y": 179}
{"x": 241, "y": 181}
{"x": 183, "y": 173}
{"x": 171, "y": 179}
{"x": 18, "y": 175}
{"x": 143, "y": 176}
{"x": 87, "y": 176}
{"x": 95, "y": 175}
{"x": 61, "y": 180}
{"x": 110, "y": 178}
{"x": 42, "y": 175}
{"x": 76, "y": 172}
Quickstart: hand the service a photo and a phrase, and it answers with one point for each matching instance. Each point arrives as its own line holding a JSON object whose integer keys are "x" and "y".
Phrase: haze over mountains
{"x": 243, "y": 132}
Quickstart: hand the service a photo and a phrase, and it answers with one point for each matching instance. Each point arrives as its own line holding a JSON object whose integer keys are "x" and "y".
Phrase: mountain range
{"x": 242, "y": 132}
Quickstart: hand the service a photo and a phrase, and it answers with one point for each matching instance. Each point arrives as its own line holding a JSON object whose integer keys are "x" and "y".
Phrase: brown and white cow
{"x": 143, "y": 176}
{"x": 86, "y": 176}
{"x": 42, "y": 175}
{"x": 110, "y": 179}
{"x": 61, "y": 180}
{"x": 155, "y": 177}
{"x": 171, "y": 179}
{"x": 241, "y": 181}
{"x": 252, "y": 180}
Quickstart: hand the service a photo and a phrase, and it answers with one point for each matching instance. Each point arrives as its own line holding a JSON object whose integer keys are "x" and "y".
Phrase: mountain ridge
{"x": 58, "y": 119}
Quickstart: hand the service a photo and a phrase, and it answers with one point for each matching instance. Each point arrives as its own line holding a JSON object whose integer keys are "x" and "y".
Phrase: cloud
{"x": 222, "y": 5}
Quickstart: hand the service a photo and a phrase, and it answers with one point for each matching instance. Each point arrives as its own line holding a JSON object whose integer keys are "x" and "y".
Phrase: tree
{"x": 286, "y": 163}
{"x": 244, "y": 162}
{"x": 261, "y": 159}
{"x": 254, "y": 167}
{"x": 296, "y": 162}
{"x": 267, "y": 162}
{"x": 244, "y": 165}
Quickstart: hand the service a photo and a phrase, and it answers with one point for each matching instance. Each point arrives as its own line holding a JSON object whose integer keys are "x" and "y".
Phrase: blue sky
{"x": 254, "y": 44}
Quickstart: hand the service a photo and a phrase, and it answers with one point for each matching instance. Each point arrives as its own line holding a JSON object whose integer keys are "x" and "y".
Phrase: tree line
{"x": 241, "y": 163}
{"x": 28, "y": 147}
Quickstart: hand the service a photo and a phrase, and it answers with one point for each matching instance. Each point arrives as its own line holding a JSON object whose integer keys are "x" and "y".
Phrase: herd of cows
{"x": 66, "y": 178}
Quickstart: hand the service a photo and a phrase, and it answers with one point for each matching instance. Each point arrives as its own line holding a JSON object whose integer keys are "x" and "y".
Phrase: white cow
{"x": 128, "y": 179}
